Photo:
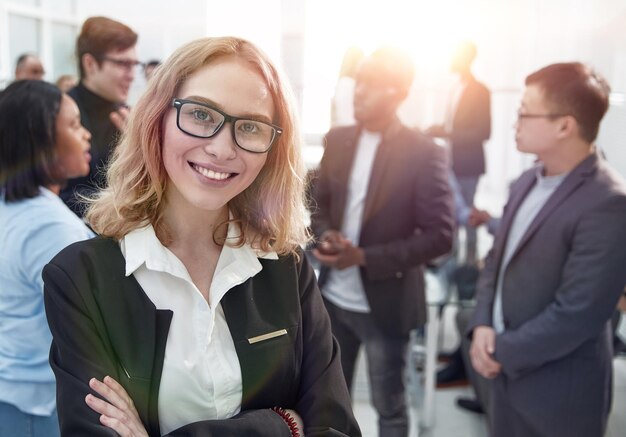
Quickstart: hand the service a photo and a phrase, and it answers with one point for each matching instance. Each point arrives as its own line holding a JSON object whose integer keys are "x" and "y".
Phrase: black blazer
{"x": 103, "y": 323}
{"x": 471, "y": 127}
{"x": 407, "y": 218}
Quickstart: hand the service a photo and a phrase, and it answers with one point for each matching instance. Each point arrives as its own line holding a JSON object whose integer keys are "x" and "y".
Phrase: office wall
{"x": 307, "y": 38}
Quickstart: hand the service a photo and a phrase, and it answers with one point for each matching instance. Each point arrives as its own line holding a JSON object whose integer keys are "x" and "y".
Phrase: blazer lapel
{"x": 379, "y": 167}
{"x": 257, "y": 313}
{"x": 346, "y": 154}
{"x": 140, "y": 341}
{"x": 507, "y": 220}
{"x": 567, "y": 187}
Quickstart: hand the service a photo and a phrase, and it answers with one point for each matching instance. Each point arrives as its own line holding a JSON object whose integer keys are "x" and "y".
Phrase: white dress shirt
{"x": 344, "y": 288}
{"x": 201, "y": 378}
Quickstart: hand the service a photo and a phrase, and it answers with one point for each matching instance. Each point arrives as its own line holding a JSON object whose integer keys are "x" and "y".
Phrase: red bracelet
{"x": 290, "y": 421}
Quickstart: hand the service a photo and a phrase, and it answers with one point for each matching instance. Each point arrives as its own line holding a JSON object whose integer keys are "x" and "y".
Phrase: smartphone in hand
{"x": 327, "y": 248}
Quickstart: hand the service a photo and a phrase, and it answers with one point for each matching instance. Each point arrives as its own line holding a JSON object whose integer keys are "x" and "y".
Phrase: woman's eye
{"x": 249, "y": 127}
{"x": 201, "y": 115}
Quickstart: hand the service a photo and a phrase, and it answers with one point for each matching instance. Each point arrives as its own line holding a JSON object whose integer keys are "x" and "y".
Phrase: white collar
{"x": 142, "y": 246}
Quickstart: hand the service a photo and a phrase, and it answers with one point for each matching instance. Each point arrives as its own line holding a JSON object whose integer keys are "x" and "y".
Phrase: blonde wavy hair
{"x": 270, "y": 212}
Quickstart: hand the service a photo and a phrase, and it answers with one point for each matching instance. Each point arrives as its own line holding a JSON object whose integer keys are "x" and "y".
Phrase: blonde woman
{"x": 195, "y": 313}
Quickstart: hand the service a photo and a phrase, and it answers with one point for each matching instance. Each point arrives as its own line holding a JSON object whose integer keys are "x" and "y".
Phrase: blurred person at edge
{"x": 107, "y": 62}
{"x": 148, "y": 69}
{"x": 466, "y": 127}
{"x": 29, "y": 67}
{"x": 195, "y": 312}
{"x": 42, "y": 144}
{"x": 66, "y": 82}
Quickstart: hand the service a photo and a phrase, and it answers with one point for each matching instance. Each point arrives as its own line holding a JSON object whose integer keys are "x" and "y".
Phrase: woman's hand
{"x": 118, "y": 412}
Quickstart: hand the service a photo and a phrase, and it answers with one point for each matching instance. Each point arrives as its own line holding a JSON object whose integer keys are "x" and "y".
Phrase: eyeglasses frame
{"x": 124, "y": 63}
{"x": 178, "y": 103}
{"x": 521, "y": 116}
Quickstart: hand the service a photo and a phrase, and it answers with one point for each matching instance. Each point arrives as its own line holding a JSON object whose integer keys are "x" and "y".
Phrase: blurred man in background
{"x": 467, "y": 126}
{"x": 29, "y": 66}
{"x": 383, "y": 210}
{"x": 107, "y": 63}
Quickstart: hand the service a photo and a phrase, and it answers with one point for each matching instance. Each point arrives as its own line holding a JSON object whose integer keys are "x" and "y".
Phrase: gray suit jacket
{"x": 560, "y": 288}
{"x": 407, "y": 218}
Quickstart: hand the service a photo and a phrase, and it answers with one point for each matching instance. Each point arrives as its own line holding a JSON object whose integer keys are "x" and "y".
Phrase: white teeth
{"x": 210, "y": 173}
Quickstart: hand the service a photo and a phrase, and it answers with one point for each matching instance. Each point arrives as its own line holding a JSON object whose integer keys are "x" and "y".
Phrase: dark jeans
{"x": 15, "y": 423}
{"x": 386, "y": 361}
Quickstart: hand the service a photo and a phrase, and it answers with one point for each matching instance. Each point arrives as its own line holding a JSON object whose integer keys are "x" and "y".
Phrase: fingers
{"x": 120, "y": 118}
{"x": 482, "y": 350}
{"x": 111, "y": 391}
{"x": 478, "y": 217}
{"x": 485, "y": 366}
{"x": 117, "y": 411}
{"x": 327, "y": 260}
{"x": 110, "y": 416}
{"x": 332, "y": 236}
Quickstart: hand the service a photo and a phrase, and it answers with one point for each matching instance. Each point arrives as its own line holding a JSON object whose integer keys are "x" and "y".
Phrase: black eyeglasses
{"x": 204, "y": 121}
{"x": 126, "y": 64}
{"x": 521, "y": 115}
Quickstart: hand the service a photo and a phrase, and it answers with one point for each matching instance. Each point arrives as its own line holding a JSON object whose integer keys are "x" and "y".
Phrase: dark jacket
{"x": 103, "y": 323}
{"x": 471, "y": 127}
{"x": 407, "y": 218}
{"x": 94, "y": 115}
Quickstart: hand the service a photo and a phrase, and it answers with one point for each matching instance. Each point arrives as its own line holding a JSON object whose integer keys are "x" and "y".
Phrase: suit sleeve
{"x": 77, "y": 354}
{"x": 592, "y": 280}
{"x": 434, "y": 223}
{"x": 323, "y": 397}
{"x": 321, "y": 195}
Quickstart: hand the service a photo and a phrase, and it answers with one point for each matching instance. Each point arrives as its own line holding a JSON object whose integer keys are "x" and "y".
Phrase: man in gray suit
{"x": 541, "y": 329}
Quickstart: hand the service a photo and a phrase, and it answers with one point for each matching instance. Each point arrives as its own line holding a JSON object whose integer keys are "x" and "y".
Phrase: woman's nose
{"x": 222, "y": 145}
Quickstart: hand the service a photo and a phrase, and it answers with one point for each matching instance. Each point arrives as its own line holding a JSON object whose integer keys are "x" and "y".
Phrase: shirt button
{"x": 399, "y": 275}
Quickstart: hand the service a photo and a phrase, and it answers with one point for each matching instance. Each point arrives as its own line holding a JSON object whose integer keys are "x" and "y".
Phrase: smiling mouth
{"x": 212, "y": 174}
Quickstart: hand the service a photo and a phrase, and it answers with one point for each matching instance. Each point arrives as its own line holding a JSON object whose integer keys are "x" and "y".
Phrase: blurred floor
{"x": 450, "y": 421}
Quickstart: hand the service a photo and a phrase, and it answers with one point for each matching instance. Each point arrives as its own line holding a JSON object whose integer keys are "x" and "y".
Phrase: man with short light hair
{"x": 107, "y": 63}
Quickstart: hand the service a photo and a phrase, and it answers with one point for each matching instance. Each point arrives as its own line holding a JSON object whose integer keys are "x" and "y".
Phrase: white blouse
{"x": 201, "y": 378}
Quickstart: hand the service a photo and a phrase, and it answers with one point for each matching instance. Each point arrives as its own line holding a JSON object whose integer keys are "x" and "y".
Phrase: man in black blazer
{"x": 467, "y": 127}
{"x": 541, "y": 329}
{"x": 382, "y": 208}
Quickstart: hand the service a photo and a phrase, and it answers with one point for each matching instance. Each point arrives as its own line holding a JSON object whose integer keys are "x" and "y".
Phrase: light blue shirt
{"x": 32, "y": 232}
